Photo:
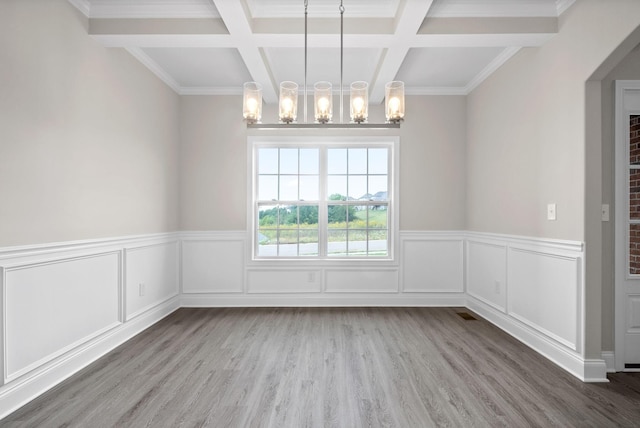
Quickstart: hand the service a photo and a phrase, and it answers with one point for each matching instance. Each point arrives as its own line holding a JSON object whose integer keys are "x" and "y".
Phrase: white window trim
{"x": 393, "y": 142}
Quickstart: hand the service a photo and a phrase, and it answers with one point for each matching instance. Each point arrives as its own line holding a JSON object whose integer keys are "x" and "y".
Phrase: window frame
{"x": 324, "y": 143}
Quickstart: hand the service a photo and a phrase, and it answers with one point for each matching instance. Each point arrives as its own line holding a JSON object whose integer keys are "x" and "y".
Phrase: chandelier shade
{"x": 288, "y": 105}
{"x": 323, "y": 102}
{"x": 359, "y": 102}
{"x": 394, "y": 101}
{"x": 252, "y": 102}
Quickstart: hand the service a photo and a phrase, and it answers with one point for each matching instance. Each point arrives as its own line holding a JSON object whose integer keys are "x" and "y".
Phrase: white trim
{"x": 563, "y": 5}
{"x": 325, "y": 300}
{"x": 156, "y": 69}
{"x": 152, "y": 9}
{"x": 504, "y": 56}
{"x": 83, "y": 6}
{"x": 609, "y": 361}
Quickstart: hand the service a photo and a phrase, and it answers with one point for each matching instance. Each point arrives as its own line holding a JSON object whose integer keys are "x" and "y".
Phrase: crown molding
{"x": 493, "y": 9}
{"x": 139, "y": 54}
{"x": 497, "y": 62}
{"x": 204, "y": 90}
{"x": 83, "y": 6}
{"x": 151, "y": 9}
{"x": 563, "y": 5}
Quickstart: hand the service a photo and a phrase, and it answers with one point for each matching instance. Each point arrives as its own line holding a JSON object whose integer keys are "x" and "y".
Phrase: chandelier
{"x": 323, "y": 99}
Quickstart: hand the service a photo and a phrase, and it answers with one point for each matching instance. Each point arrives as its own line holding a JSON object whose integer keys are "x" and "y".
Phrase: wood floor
{"x": 331, "y": 367}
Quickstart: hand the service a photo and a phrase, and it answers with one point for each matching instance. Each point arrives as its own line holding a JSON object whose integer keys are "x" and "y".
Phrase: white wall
{"x": 88, "y": 136}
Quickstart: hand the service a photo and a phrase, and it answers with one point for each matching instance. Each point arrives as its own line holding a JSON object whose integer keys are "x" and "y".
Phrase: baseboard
{"x": 587, "y": 370}
{"x": 609, "y": 360}
{"x": 323, "y": 300}
{"x": 21, "y": 391}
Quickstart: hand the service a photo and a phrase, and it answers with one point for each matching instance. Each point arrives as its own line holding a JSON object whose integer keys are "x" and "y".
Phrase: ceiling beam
{"x": 408, "y": 23}
{"x": 236, "y": 18}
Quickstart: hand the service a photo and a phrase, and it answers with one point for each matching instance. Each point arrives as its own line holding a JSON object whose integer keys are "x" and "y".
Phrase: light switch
{"x": 551, "y": 211}
{"x": 605, "y": 212}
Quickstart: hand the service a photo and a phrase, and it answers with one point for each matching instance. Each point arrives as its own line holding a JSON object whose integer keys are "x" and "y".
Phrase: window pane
{"x": 337, "y": 245}
{"x": 337, "y": 216}
{"x": 289, "y": 217}
{"x": 378, "y": 243}
{"x": 267, "y": 161}
{"x": 309, "y": 161}
{"x": 358, "y": 187}
{"x": 288, "y": 161}
{"x": 308, "y": 215}
{"x": 308, "y": 242}
{"x": 336, "y": 185}
{"x": 378, "y": 161}
{"x": 337, "y": 161}
{"x": 357, "y": 161}
{"x": 309, "y": 188}
{"x": 357, "y": 217}
{"x": 268, "y": 216}
{"x": 267, "y": 187}
{"x": 288, "y": 188}
{"x": 357, "y": 242}
{"x": 634, "y": 249}
{"x": 634, "y": 194}
{"x": 378, "y": 218}
{"x": 378, "y": 187}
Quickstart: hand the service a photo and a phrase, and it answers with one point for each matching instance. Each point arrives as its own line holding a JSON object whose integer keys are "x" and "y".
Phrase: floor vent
{"x": 467, "y": 316}
{"x": 632, "y": 366}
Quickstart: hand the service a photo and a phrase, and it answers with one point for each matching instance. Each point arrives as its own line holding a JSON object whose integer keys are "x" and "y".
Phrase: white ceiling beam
{"x": 237, "y": 20}
{"x": 408, "y": 24}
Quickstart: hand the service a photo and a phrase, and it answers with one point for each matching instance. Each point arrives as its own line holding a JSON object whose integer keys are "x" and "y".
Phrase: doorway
{"x": 627, "y": 227}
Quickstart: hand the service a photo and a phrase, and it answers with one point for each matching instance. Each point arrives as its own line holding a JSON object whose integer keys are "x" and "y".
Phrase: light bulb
{"x": 323, "y": 105}
{"x": 358, "y": 105}
{"x": 394, "y": 106}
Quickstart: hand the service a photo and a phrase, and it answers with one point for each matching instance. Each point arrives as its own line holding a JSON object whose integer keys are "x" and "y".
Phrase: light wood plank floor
{"x": 328, "y": 367}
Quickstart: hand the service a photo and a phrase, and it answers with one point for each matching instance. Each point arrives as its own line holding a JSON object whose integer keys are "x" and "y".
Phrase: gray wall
{"x": 88, "y": 136}
{"x": 213, "y": 153}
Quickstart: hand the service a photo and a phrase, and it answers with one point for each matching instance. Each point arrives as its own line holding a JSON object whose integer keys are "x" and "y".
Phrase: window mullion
{"x": 323, "y": 239}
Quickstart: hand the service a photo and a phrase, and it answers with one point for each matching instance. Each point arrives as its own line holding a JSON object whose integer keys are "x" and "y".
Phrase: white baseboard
{"x": 323, "y": 300}
{"x": 569, "y": 360}
{"x": 609, "y": 360}
{"x": 16, "y": 394}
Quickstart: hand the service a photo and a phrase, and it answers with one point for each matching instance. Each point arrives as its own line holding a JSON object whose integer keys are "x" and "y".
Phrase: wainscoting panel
{"x": 360, "y": 280}
{"x": 64, "y": 306}
{"x": 151, "y": 276}
{"x": 283, "y": 281}
{"x": 213, "y": 264}
{"x": 487, "y": 272}
{"x": 432, "y": 264}
{"x": 51, "y": 307}
{"x": 544, "y": 293}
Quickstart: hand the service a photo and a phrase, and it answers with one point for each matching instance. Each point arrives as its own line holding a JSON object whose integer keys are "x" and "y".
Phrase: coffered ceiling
{"x": 214, "y": 46}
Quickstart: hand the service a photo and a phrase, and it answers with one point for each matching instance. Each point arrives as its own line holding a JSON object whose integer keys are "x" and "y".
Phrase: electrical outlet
{"x": 497, "y": 287}
{"x": 551, "y": 211}
{"x": 141, "y": 289}
{"x": 311, "y": 277}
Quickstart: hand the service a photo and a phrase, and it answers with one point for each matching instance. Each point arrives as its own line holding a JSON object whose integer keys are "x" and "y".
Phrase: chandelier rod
{"x": 306, "y": 4}
{"x": 341, "y": 62}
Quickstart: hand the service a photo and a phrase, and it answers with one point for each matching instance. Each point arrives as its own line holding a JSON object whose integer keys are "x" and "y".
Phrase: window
{"x": 326, "y": 200}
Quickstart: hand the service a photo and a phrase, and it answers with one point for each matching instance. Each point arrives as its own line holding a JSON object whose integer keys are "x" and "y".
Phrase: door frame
{"x": 621, "y": 211}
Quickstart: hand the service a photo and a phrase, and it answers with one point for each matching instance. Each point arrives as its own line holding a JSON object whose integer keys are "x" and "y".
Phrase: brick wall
{"x": 634, "y": 195}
